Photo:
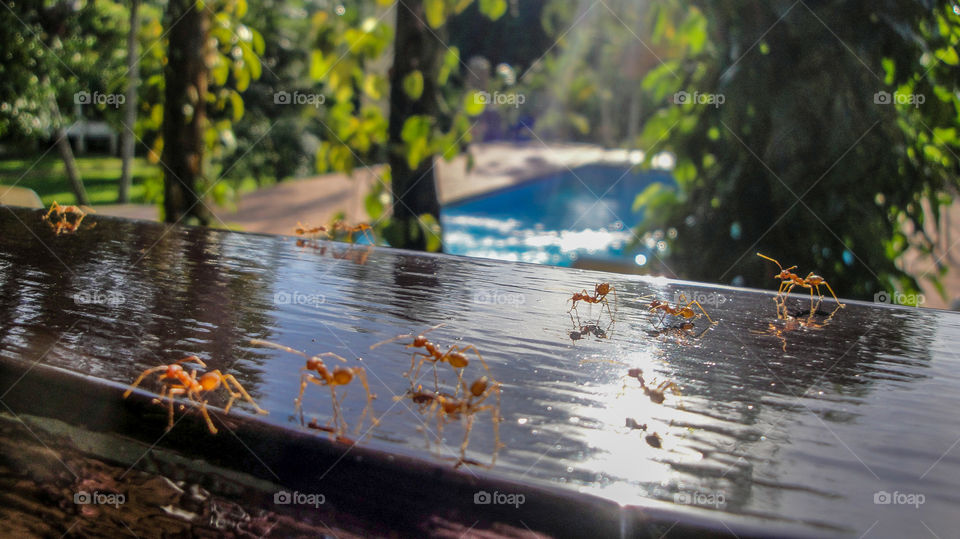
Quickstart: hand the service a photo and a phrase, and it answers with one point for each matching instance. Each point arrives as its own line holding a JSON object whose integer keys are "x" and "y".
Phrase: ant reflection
{"x": 786, "y": 322}
{"x": 681, "y": 332}
{"x": 581, "y": 330}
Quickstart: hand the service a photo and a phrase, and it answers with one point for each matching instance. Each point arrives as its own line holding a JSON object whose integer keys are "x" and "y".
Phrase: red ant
{"x": 448, "y": 406}
{"x": 177, "y": 382}
{"x": 600, "y": 292}
{"x": 686, "y": 311}
{"x": 454, "y": 356}
{"x": 789, "y": 280}
{"x": 302, "y": 230}
{"x": 656, "y": 394}
{"x": 59, "y": 220}
{"x": 363, "y": 228}
{"x": 340, "y": 376}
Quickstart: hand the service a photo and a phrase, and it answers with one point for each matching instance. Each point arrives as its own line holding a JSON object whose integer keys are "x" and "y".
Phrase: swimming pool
{"x": 583, "y": 213}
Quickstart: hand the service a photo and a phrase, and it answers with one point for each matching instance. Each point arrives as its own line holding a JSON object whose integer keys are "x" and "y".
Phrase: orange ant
{"x": 448, "y": 406}
{"x": 796, "y": 321}
{"x": 455, "y": 356}
{"x": 364, "y": 228}
{"x": 340, "y": 376}
{"x": 789, "y": 280}
{"x": 59, "y": 220}
{"x": 302, "y": 230}
{"x": 600, "y": 292}
{"x": 177, "y": 382}
{"x": 656, "y": 394}
{"x": 686, "y": 311}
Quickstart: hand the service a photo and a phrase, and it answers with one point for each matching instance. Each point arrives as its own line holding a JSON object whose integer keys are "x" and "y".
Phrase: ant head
{"x": 173, "y": 370}
{"x": 602, "y": 289}
{"x": 479, "y": 386}
{"x": 210, "y": 381}
{"x": 656, "y": 303}
{"x": 315, "y": 364}
{"x": 419, "y": 341}
{"x": 342, "y": 376}
{"x": 457, "y": 360}
{"x": 635, "y": 373}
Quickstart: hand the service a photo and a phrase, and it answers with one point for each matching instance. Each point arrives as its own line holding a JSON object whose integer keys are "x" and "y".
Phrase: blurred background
{"x": 671, "y": 139}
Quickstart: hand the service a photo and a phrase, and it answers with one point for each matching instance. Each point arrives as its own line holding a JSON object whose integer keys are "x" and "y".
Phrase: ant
{"x": 364, "y": 228}
{"x": 307, "y": 230}
{"x": 316, "y": 372}
{"x": 656, "y": 394}
{"x": 59, "y": 219}
{"x": 634, "y": 425}
{"x": 600, "y": 292}
{"x": 789, "y": 280}
{"x": 449, "y": 406}
{"x": 177, "y": 382}
{"x": 686, "y": 311}
{"x": 654, "y": 440}
{"x": 455, "y": 356}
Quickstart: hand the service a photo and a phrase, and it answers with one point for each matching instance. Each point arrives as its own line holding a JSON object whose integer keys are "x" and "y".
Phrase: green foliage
{"x": 48, "y": 178}
{"x": 803, "y": 160}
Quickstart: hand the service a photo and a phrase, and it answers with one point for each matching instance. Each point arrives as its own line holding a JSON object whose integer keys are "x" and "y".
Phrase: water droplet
{"x": 522, "y": 421}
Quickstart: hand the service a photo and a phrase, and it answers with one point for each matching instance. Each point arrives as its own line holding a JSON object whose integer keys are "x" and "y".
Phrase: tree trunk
{"x": 70, "y": 164}
{"x": 415, "y": 47}
{"x": 130, "y": 111}
{"x": 184, "y": 112}
{"x": 66, "y": 153}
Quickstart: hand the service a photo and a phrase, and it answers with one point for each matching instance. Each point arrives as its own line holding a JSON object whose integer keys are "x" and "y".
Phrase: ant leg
{"x": 206, "y": 416}
{"x": 304, "y": 379}
{"x": 260, "y": 342}
{"x": 414, "y": 374}
{"x": 140, "y": 378}
{"x": 243, "y": 392}
{"x": 475, "y": 351}
{"x": 407, "y": 335}
{"x": 697, "y": 303}
{"x": 824, "y": 283}
{"x": 331, "y": 354}
{"x": 466, "y": 436}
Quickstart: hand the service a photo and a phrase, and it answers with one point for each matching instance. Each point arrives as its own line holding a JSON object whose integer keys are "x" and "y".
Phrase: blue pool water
{"x": 581, "y": 213}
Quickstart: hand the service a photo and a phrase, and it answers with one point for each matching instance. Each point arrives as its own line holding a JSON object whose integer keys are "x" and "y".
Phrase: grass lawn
{"x": 100, "y": 176}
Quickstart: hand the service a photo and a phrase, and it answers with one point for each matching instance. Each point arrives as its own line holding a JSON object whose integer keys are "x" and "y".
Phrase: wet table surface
{"x": 842, "y": 424}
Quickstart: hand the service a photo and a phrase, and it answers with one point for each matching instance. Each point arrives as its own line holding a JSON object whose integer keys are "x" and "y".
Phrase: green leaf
{"x": 450, "y": 62}
{"x": 413, "y": 84}
{"x": 473, "y": 103}
{"x": 431, "y": 231}
{"x": 493, "y": 9}
{"x": 236, "y": 103}
{"x": 435, "y": 12}
{"x": 318, "y": 67}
